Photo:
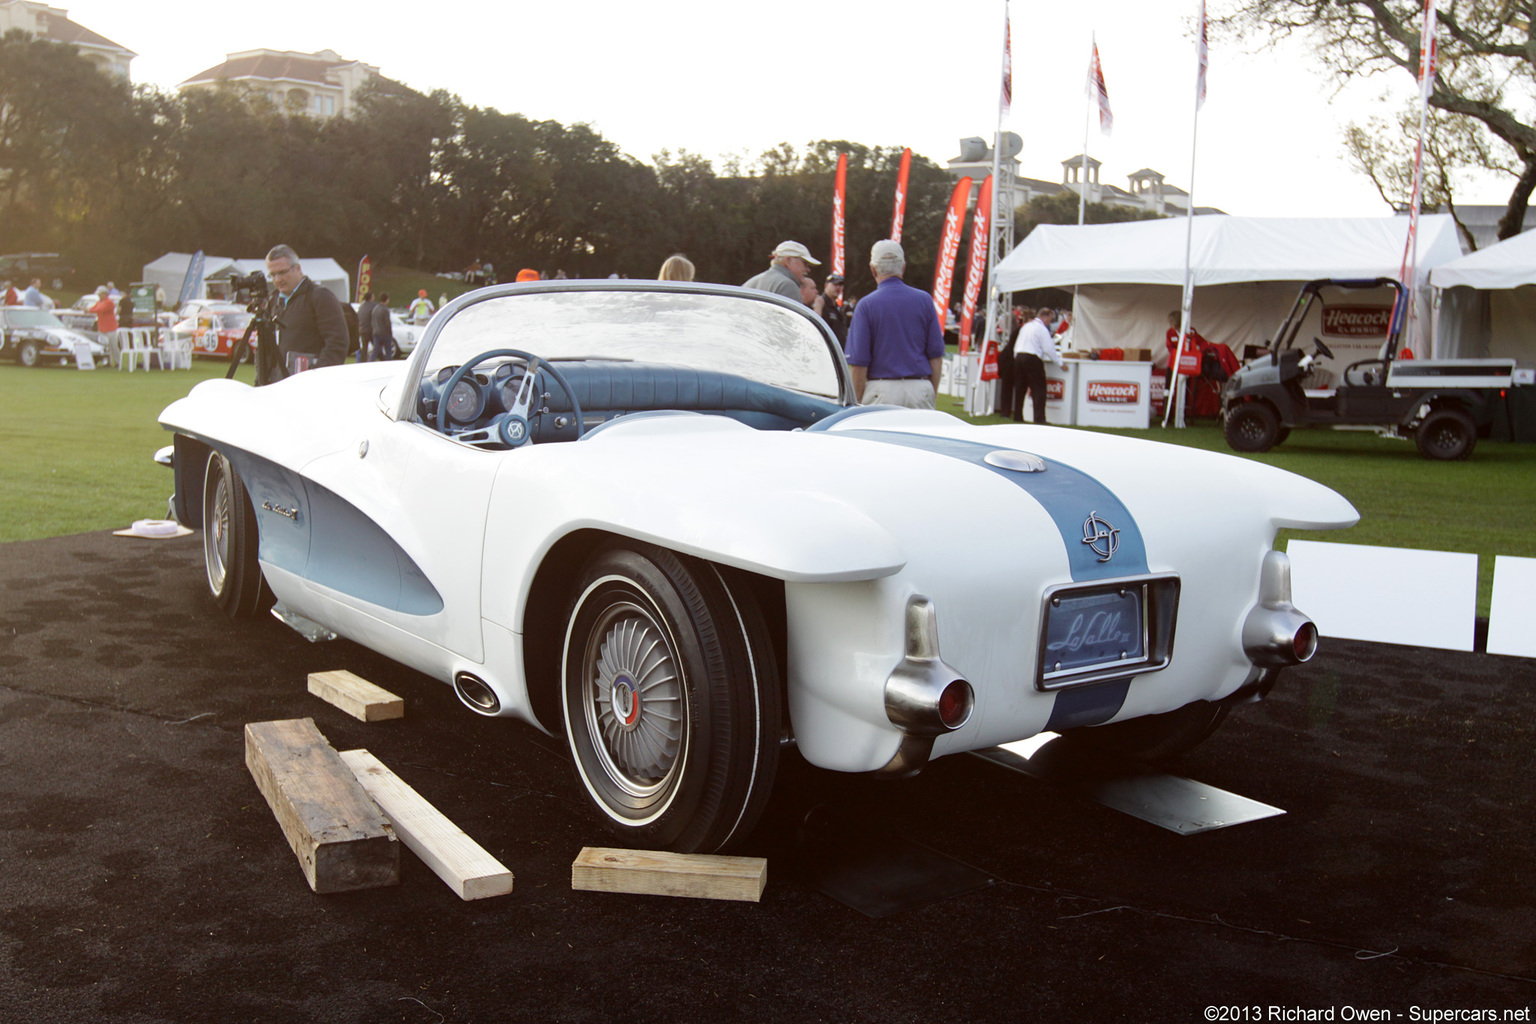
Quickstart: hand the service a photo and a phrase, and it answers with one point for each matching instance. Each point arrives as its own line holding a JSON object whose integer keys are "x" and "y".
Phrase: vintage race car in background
{"x": 650, "y": 517}
{"x": 215, "y": 328}
{"x": 33, "y": 337}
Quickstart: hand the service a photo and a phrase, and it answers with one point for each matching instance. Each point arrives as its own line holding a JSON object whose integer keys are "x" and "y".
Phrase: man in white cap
{"x": 791, "y": 262}
{"x": 895, "y": 344}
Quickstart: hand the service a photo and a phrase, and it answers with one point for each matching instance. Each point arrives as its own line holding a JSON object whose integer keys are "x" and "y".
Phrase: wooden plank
{"x": 356, "y": 696}
{"x": 692, "y": 875}
{"x": 458, "y": 860}
{"x": 340, "y": 837}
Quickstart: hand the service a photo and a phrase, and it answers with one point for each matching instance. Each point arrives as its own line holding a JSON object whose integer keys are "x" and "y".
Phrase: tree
{"x": 1487, "y": 69}
{"x": 1384, "y": 152}
{"x": 59, "y": 116}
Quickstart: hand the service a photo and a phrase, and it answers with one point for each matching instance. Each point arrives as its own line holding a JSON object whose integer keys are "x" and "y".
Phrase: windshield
{"x": 32, "y": 318}
{"x": 700, "y": 326}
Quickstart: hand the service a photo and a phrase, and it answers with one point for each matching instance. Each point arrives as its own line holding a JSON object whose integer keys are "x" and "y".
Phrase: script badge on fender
{"x": 1101, "y": 538}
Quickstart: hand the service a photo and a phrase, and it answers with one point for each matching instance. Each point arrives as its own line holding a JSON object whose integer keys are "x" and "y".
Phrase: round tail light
{"x": 955, "y": 704}
{"x": 1304, "y": 644}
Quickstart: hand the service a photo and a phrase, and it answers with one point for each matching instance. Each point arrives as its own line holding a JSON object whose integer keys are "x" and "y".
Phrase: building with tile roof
{"x": 322, "y": 84}
{"x": 1149, "y": 189}
{"x": 52, "y": 23}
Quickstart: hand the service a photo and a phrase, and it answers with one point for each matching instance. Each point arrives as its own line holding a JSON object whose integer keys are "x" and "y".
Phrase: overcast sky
{"x": 718, "y": 78}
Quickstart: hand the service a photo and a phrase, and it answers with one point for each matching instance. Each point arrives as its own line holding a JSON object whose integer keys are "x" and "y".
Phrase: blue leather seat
{"x": 609, "y": 388}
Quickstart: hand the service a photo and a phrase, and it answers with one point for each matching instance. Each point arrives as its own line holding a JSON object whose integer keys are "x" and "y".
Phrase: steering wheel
{"x": 513, "y": 426}
{"x": 1322, "y": 349}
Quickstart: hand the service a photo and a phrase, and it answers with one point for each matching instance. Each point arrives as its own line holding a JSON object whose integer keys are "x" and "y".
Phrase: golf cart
{"x": 1444, "y": 405}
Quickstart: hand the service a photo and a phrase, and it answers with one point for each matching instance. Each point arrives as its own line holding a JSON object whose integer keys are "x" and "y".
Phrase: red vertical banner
{"x": 901, "y": 194}
{"x": 364, "y": 277}
{"x": 981, "y": 232}
{"x": 839, "y": 212}
{"x": 949, "y": 249}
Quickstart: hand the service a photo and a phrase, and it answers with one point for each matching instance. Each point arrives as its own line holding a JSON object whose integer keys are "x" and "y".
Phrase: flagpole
{"x": 1003, "y": 107}
{"x": 1428, "y": 59}
{"x": 1082, "y": 193}
{"x": 1173, "y": 405}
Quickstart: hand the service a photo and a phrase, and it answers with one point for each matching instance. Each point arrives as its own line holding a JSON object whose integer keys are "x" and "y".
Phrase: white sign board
{"x": 1060, "y": 395}
{"x": 1512, "y": 616}
{"x": 83, "y": 358}
{"x": 1114, "y": 394}
{"x": 1386, "y": 595}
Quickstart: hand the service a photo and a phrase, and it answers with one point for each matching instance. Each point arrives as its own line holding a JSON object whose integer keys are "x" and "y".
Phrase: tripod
{"x": 261, "y": 324}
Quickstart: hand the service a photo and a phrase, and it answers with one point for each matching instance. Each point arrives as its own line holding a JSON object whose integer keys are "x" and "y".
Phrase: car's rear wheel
{"x": 28, "y": 353}
{"x": 670, "y": 699}
{"x": 1152, "y": 738}
{"x": 1446, "y": 434}
{"x": 230, "y": 542}
{"x": 1252, "y": 427}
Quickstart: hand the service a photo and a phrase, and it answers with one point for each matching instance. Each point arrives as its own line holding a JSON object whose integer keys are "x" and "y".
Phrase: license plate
{"x": 1089, "y": 634}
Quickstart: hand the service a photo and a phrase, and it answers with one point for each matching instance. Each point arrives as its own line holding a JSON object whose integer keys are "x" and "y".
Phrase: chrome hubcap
{"x": 634, "y": 702}
{"x": 216, "y": 530}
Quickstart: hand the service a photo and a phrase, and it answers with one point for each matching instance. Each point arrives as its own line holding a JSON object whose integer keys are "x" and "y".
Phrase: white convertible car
{"x": 650, "y": 517}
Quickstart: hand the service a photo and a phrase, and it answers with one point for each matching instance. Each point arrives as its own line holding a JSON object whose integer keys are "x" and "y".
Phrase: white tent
{"x": 169, "y": 270}
{"x": 1488, "y": 302}
{"x": 1246, "y": 272}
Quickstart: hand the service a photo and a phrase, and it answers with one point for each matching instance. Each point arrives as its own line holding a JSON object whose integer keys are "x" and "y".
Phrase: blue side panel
{"x": 313, "y": 532}
{"x": 1069, "y": 496}
{"x": 351, "y": 553}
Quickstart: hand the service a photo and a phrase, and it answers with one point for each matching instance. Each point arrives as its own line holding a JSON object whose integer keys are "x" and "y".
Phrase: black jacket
{"x": 312, "y": 322}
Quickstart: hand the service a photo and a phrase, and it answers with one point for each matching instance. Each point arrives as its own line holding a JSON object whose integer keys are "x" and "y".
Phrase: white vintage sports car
{"x": 650, "y": 517}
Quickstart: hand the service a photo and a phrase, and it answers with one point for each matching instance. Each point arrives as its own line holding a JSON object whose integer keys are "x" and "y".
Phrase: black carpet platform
{"x": 143, "y": 878}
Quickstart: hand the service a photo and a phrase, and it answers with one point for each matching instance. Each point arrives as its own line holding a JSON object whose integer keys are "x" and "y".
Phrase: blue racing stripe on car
{"x": 1069, "y": 496}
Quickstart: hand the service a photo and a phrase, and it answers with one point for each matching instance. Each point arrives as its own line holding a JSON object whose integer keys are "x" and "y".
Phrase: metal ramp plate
{"x": 1168, "y": 801}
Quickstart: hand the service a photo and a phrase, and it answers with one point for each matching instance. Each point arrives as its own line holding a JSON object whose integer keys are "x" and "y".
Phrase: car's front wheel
{"x": 670, "y": 699}
{"x": 230, "y": 542}
{"x": 28, "y": 353}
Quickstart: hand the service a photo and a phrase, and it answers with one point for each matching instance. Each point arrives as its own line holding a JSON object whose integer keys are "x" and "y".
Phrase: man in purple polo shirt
{"x": 895, "y": 344}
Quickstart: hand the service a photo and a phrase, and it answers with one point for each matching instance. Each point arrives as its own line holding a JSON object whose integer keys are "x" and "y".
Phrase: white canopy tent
{"x": 1246, "y": 273}
{"x": 169, "y": 270}
{"x": 1488, "y": 302}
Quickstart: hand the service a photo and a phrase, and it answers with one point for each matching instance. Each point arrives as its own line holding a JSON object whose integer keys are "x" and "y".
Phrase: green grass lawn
{"x": 77, "y": 446}
{"x": 77, "y": 457}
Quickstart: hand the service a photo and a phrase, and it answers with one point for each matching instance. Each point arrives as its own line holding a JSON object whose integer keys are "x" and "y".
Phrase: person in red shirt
{"x": 106, "y": 313}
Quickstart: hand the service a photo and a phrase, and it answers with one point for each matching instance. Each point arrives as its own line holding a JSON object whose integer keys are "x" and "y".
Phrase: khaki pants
{"x": 914, "y": 394}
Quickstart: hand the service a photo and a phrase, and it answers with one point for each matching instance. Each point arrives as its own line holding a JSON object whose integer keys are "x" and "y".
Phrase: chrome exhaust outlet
{"x": 476, "y": 695}
{"x": 924, "y": 697}
{"x": 1275, "y": 634}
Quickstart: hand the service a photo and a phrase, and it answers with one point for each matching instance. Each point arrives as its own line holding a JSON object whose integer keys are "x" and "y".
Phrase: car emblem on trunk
{"x": 1101, "y": 538}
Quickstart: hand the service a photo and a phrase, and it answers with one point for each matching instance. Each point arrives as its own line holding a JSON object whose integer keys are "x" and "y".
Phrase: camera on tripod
{"x": 251, "y": 288}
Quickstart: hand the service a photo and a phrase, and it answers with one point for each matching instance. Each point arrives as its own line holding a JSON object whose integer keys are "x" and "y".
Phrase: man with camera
{"x": 311, "y": 329}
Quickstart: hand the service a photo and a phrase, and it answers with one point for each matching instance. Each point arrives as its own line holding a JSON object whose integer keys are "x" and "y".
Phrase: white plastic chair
{"x": 115, "y": 343}
{"x": 176, "y": 352}
{"x": 140, "y": 347}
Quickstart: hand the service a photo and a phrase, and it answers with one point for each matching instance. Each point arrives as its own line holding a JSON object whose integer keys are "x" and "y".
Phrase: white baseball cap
{"x": 787, "y": 249}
